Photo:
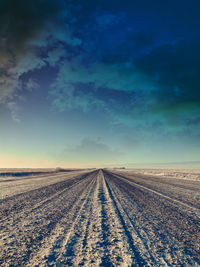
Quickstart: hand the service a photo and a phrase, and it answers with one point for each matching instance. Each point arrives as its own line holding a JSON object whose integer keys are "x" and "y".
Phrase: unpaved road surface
{"x": 99, "y": 218}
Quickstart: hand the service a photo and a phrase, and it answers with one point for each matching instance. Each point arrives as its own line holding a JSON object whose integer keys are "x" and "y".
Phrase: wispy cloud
{"x": 90, "y": 151}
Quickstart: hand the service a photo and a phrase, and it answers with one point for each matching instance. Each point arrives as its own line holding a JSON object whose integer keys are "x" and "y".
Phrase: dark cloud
{"x": 130, "y": 60}
{"x": 27, "y": 34}
{"x": 90, "y": 150}
{"x": 21, "y": 20}
{"x": 176, "y": 69}
{"x": 130, "y": 143}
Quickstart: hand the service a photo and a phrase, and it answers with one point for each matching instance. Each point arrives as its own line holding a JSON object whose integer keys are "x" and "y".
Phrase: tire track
{"x": 173, "y": 200}
{"x": 52, "y": 250}
{"x": 187, "y": 192}
{"x": 170, "y": 233}
{"x": 98, "y": 230}
{"x": 21, "y": 187}
{"x": 30, "y": 231}
{"x": 98, "y": 219}
{"x": 19, "y": 216}
{"x": 140, "y": 250}
{"x": 18, "y": 203}
{"x": 144, "y": 246}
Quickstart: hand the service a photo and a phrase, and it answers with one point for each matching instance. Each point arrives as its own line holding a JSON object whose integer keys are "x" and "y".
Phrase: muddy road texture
{"x": 99, "y": 218}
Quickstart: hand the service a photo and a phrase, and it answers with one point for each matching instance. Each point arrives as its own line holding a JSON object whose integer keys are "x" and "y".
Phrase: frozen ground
{"x": 100, "y": 218}
{"x": 169, "y": 173}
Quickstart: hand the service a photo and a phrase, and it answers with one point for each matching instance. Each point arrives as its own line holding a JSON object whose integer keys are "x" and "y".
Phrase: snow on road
{"x": 101, "y": 218}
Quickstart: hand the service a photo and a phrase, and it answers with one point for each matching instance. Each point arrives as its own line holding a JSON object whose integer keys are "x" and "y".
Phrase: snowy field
{"x": 169, "y": 173}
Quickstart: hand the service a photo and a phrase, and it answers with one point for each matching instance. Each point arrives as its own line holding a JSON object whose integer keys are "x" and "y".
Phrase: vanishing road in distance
{"x": 99, "y": 218}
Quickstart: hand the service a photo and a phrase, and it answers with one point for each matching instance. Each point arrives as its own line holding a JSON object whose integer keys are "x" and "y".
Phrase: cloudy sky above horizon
{"x": 89, "y": 83}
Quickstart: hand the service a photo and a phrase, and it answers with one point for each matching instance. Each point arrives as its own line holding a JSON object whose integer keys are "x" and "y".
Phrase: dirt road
{"x": 100, "y": 218}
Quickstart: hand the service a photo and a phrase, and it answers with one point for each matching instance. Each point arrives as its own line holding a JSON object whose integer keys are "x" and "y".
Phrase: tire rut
{"x": 169, "y": 232}
{"x": 97, "y": 219}
{"x": 21, "y": 239}
{"x": 98, "y": 230}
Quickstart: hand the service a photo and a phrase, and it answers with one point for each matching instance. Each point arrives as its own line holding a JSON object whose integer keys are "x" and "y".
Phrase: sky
{"x": 99, "y": 83}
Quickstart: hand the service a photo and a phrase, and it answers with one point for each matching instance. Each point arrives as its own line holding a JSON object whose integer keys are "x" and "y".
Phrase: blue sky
{"x": 99, "y": 83}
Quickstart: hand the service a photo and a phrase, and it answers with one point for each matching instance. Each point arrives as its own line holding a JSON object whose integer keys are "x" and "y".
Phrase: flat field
{"x": 100, "y": 218}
